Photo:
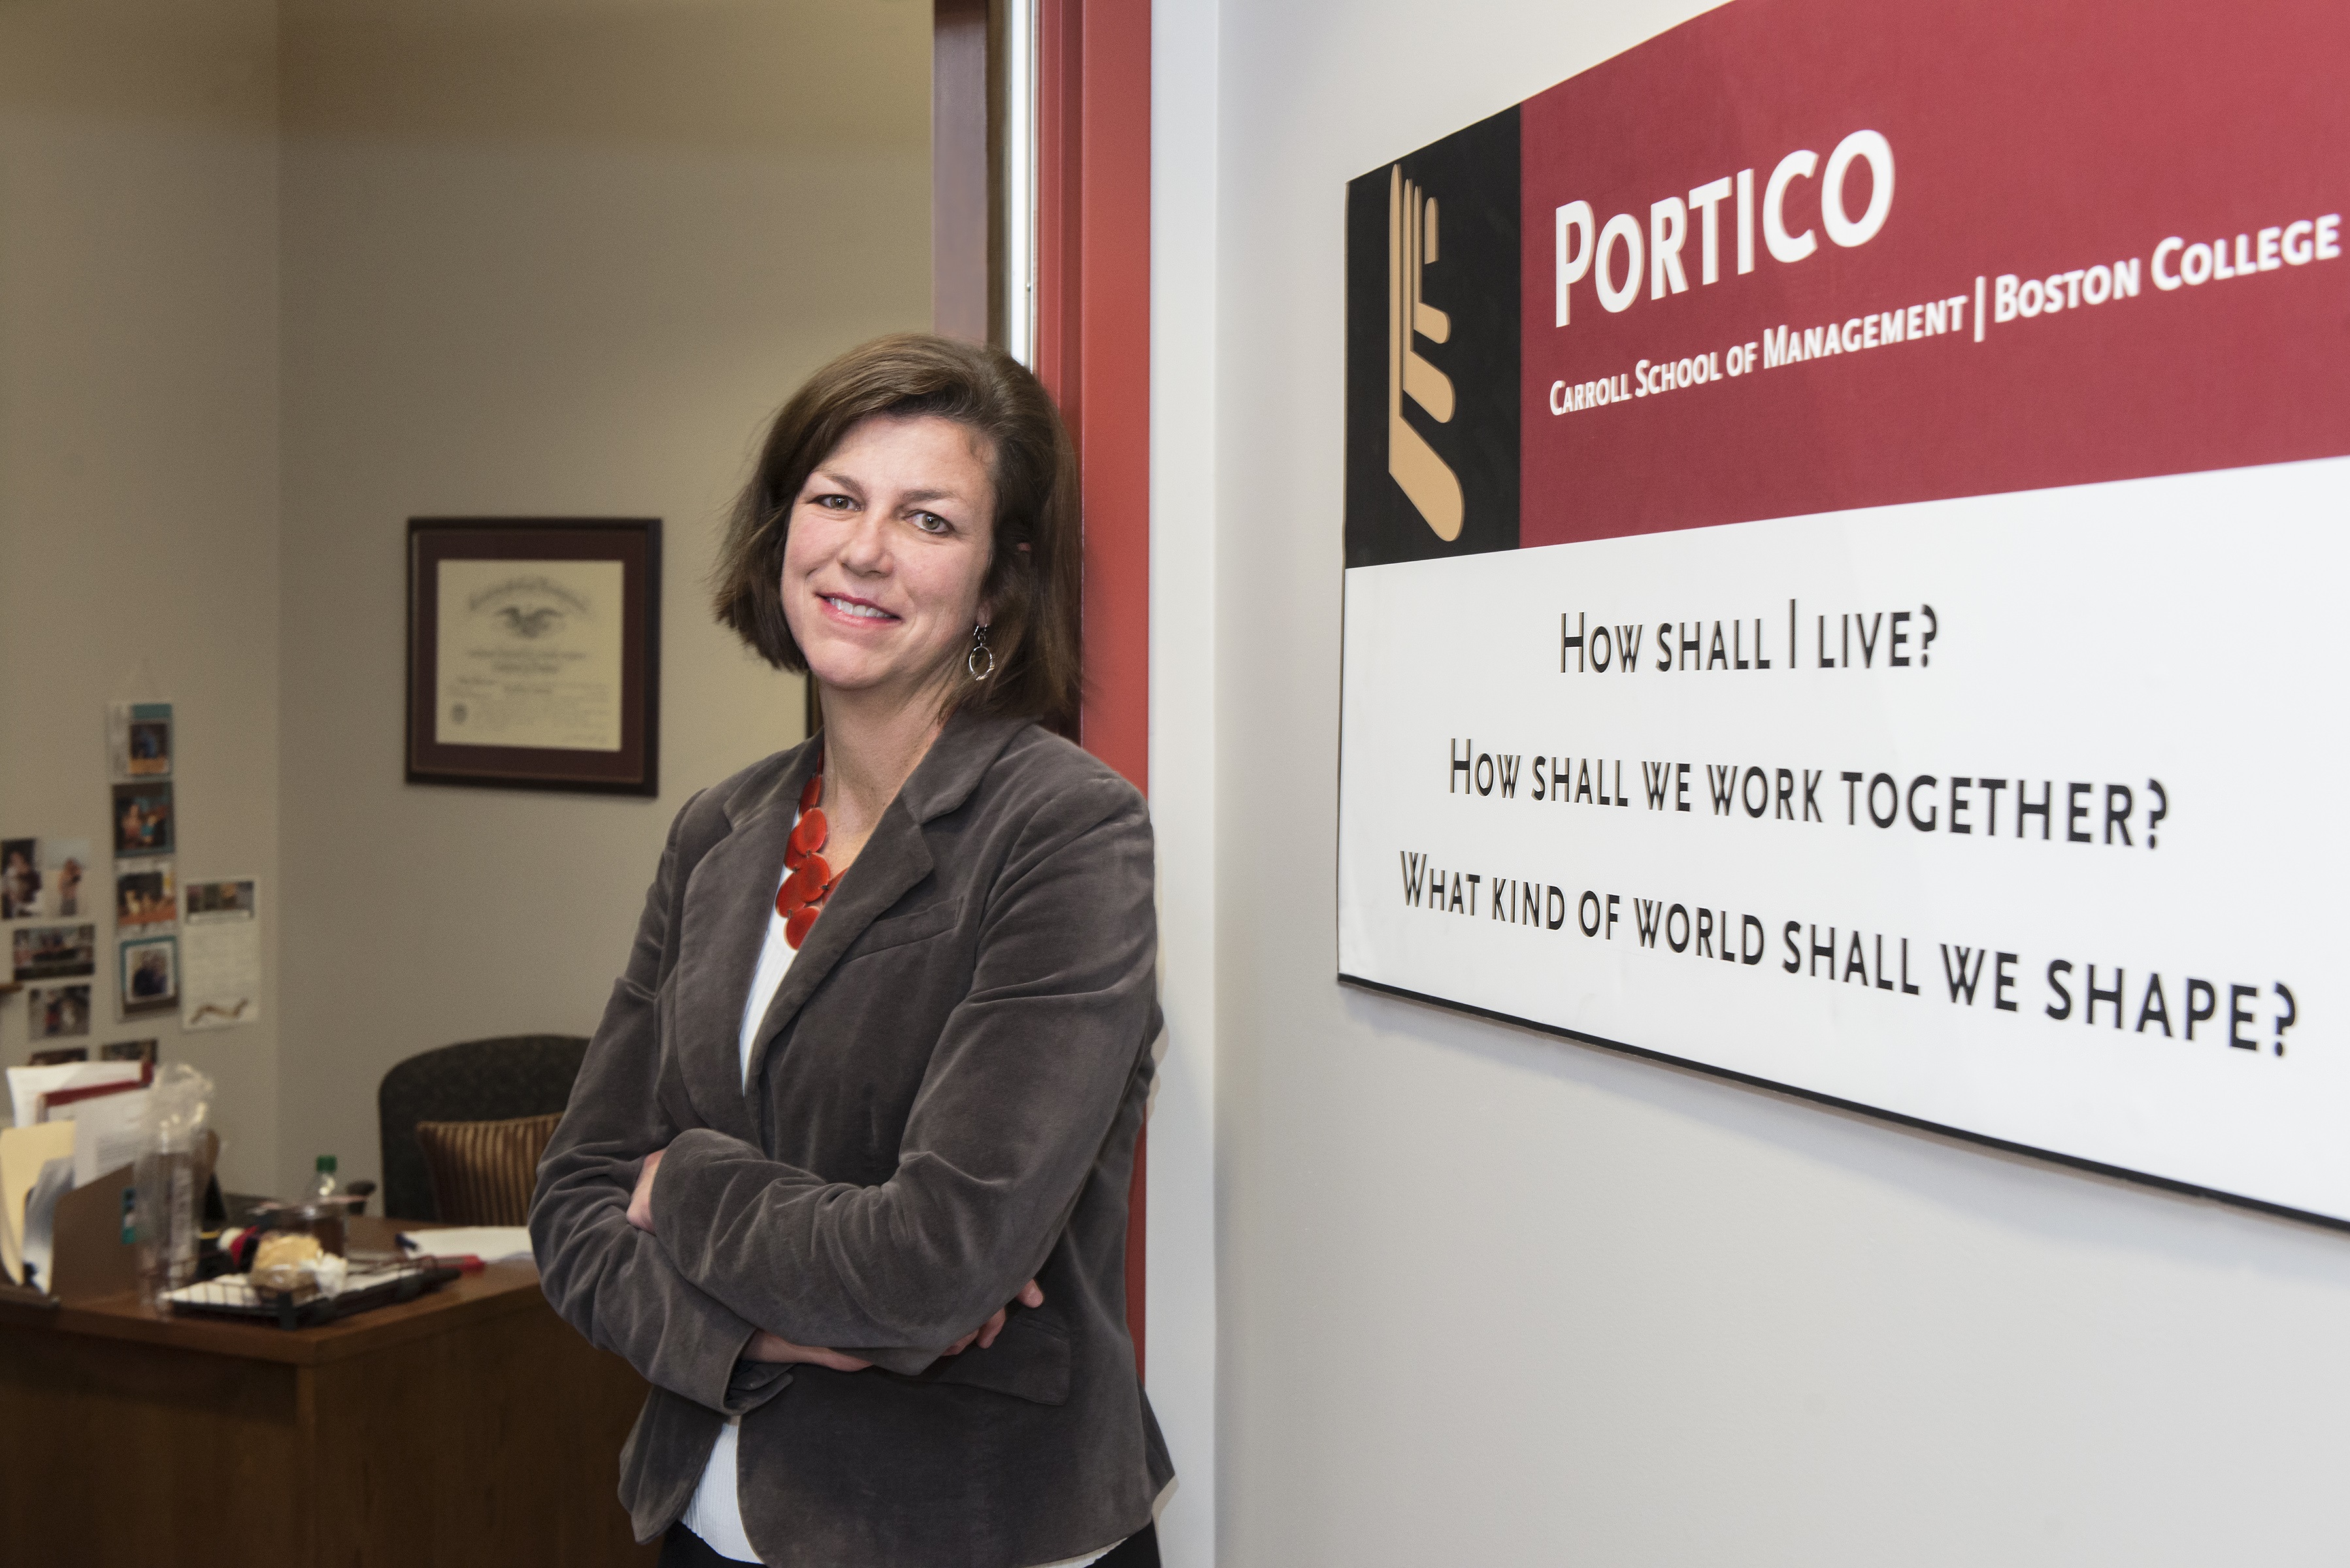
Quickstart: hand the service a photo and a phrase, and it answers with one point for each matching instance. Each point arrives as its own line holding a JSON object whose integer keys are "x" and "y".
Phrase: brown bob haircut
{"x": 1034, "y": 578}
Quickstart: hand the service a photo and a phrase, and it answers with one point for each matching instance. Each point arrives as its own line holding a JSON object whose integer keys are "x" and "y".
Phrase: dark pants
{"x": 681, "y": 1548}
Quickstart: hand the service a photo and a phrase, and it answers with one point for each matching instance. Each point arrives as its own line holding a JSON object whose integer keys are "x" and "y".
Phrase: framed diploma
{"x": 534, "y": 653}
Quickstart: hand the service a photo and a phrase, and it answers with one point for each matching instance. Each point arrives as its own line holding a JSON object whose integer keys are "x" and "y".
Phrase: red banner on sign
{"x": 1812, "y": 262}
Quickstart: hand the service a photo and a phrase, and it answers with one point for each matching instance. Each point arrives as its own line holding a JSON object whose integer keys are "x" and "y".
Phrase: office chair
{"x": 477, "y": 1081}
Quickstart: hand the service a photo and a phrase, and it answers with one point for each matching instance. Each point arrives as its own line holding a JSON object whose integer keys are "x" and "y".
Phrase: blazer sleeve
{"x": 607, "y": 1279}
{"x": 1022, "y": 1086}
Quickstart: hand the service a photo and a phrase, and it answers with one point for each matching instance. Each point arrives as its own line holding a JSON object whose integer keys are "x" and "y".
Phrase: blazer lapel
{"x": 894, "y": 859}
{"x": 728, "y": 901}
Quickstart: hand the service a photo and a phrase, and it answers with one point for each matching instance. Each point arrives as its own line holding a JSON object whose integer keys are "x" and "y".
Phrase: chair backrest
{"x": 478, "y": 1081}
{"x": 484, "y": 1172}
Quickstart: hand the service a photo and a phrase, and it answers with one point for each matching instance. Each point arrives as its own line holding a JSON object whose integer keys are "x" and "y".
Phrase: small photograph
{"x": 227, "y": 900}
{"x": 57, "y": 1012}
{"x": 128, "y": 1051}
{"x": 142, "y": 819}
{"x": 61, "y": 1056}
{"x": 144, "y": 894}
{"x": 150, "y": 975}
{"x": 53, "y": 952}
{"x": 20, "y": 880}
{"x": 65, "y": 863}
{"x": 138, "y": 735}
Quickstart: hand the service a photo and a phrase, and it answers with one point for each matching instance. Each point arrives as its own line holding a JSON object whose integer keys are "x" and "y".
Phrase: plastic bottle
{"x": 167, "y": 1178}
{"x": 323, "y": 1185}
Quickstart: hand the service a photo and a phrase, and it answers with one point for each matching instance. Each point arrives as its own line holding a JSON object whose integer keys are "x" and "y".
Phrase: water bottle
{"x": 322, "y": 1185}
{"x": 167, "y": 1180}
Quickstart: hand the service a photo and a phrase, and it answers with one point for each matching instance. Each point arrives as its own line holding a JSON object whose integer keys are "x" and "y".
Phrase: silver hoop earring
{"x": 978, "y": 647}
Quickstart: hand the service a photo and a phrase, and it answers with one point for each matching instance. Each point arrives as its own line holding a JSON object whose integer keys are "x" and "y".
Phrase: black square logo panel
{"x": 1433, "y": 303}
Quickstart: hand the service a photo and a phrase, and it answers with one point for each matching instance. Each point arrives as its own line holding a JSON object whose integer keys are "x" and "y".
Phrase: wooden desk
{"x": 470, "y": 1426}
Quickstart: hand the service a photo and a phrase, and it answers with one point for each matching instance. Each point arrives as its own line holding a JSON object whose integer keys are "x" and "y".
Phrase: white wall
{"x": 1179, "y": 1239}
{"x": 138, "y": 461}
{"x": 543, "y": 257}
{"x": 1490, "y": 1297}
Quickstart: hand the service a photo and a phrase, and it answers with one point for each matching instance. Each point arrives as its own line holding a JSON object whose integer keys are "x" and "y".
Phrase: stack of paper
{"x": 106, "y": 1129}
{"x": 491, "y": 1243}
{"x": 28, "y": 1087}
{"x": 84, "y": 1117}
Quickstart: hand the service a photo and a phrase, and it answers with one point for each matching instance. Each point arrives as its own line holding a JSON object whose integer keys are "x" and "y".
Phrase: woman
{"x": 844, "y": 1174}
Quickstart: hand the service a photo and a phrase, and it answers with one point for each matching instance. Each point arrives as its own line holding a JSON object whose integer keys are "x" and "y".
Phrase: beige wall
{"x": 553, "y": 260}
{"x": 139, "y": 537}
{"x": 340, "y": 262}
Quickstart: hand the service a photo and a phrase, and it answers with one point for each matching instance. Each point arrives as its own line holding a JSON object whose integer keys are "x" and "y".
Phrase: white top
{"x": 715, "y": 1513}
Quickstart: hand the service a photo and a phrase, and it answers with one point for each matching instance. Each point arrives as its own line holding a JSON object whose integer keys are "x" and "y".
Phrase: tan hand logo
{"x": 1412, "y": 245}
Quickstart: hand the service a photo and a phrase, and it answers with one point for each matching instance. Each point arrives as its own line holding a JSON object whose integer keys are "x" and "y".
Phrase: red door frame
{"x": 1093, "y": 353}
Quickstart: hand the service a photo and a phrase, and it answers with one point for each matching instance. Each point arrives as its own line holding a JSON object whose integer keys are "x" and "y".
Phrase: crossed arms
{"x": 709, "y": 1266}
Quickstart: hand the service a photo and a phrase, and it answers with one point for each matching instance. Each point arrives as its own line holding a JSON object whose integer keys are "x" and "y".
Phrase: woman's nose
{"x": 866, "y": 548}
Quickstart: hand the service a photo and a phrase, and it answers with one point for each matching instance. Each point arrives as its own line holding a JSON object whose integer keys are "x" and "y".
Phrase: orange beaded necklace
{"x": 801, "y": 898}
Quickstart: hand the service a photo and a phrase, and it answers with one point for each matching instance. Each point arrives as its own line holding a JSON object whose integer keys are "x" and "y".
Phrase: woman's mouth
{"x": 856, "y": 608}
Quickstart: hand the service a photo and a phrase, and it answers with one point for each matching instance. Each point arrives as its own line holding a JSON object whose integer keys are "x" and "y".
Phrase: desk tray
{"x": 293, "y": 1309}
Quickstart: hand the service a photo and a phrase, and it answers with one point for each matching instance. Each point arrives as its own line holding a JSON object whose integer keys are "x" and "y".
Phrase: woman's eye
{"x": 932, "y": 523}
{"x": 835, "y": 503}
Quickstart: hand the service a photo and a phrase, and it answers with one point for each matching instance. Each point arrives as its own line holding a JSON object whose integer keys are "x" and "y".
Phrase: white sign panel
{"x": 1999, "y": 886}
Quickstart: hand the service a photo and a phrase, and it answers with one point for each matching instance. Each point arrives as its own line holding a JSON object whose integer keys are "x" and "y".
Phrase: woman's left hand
{"x": 984, "y": 1335}
{"x": 641, "y": 1201}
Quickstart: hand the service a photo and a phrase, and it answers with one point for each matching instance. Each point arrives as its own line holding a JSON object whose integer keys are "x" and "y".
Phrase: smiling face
{"x": 889, "y": 543}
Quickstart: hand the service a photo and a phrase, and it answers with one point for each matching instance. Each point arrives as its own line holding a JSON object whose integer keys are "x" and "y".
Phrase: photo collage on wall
{"x": 200, "y": 959}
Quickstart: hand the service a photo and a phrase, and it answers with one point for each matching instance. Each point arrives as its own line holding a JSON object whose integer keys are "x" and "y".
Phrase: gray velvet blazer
{"x": 943, "y": 1102}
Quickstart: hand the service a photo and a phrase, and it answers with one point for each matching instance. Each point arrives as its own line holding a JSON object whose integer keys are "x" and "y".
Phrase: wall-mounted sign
{"x": 1844, "y": 506}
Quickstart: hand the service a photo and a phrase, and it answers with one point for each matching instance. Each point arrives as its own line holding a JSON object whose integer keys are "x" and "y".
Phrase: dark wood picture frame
{"x": 635, "y": 543}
